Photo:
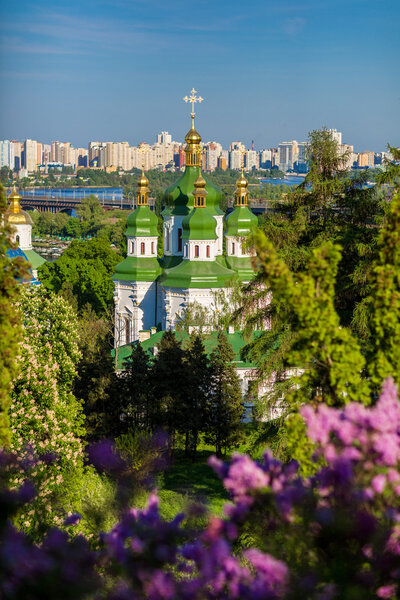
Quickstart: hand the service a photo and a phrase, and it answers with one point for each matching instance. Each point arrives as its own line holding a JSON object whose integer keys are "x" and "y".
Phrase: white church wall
{"x": 135, "y": 310}
{"x": 23, "y": 236}
{"x": 142, "y": 246}
{"x": 220, "y": 233}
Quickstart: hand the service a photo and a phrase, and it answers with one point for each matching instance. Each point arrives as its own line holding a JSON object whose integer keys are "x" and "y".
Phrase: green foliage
{"x": 10, "y": 329}
{"x": 87, "y": 267}
{"x": 91, "y": 214}
{"x": 225, "y": 406}
{"x": 96, "y": 383}
{"x": 45, "y": 417}
{"x": 137, "y": 406}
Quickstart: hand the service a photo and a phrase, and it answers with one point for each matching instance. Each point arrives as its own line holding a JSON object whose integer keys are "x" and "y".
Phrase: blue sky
{"x": 269, "y": 70}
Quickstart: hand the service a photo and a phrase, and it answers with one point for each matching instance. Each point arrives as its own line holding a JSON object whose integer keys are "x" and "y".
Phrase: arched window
{"x": 152, "y": 247}
{"x": 127, "y": 331}
{"x": 243, "y": 250}
{"x": 208, "y": 251}
{"x": 233, "y": 247}
{"x": 17, "y": 239}
{"x": 132, "y": 247}
{"x": 167, "y": 239}
{"x": 179, "y": 240}
{"x": 142, "y": 248}
{"x": 196, "y": 252}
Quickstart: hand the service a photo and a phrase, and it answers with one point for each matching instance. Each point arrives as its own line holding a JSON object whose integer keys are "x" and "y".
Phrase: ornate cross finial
{"x": 193, "y": 99}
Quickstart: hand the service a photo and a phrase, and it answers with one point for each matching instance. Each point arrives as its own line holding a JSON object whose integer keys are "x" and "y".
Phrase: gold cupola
{"x": 143, "y": 190}
{"x": 199, "y": 193}
{"x": 193, "y": 138}
{"x": 241, "y": 190}
{"x": 15, "y": 215}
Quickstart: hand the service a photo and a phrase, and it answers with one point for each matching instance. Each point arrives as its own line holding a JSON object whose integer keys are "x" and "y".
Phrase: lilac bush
{"x": 335, "y": 535}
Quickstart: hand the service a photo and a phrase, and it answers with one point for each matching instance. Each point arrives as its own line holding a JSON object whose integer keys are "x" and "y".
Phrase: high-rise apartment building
{"x": 30, "y": 155}
{"x": 336, "y": 135}
{"x": 6, "y": 154}
{"x": 251, "y": 160}
{"x": 164, "y": 138}
{"x": 288, "y": 155}
{"x": 235, "y": 159}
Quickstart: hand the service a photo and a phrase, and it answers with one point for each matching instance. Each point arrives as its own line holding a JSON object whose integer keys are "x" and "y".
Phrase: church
{"x": 21, "y": 224}
{"x": 203, "y": 250}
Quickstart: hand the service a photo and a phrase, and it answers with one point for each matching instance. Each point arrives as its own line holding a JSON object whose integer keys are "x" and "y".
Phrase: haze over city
{"x": 268, "y": 71}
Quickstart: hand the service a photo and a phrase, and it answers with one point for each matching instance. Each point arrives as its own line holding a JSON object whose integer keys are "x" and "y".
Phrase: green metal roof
{"x": 199, "y": 224}
{"x": 178, "y": 197}
{"x": 242, "y": 266}
{"x": 197, "y": 274}
{"x": 34, "y": 258}
{"x": 210, "y": 342}
{"x": 142, "y": 222}
{"x": 240, "y": 222}
{"x": 137, "y": 268}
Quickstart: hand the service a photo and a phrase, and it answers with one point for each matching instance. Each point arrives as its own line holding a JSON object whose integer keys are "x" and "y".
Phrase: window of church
{"x": 152, "y": 247}
{"x": 196, "y": 252}
{"x": 17, "y": 239}
{"x": 167, "y": 240}
{"x": 208, "y": 251}
{"x": 233, "y": 247}
{"x": 179, "y": 240}
{"x": 142, "y": 248}
{"x": 132, "y": 247}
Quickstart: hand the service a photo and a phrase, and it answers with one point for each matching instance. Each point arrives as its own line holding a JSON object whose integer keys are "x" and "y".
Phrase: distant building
{"x": 30, "y": 161}
{"x": 235, "y": 159}
{"x": 336, "y": 135}
{"x": 6, "y": 154}
{"x": 288, "y": 154}
{"x": 251, "y": 161}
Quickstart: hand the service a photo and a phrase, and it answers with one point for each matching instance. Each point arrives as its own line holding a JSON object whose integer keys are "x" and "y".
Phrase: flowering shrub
{"x": 335, "y": 535}
{"x": 45, "y": 417}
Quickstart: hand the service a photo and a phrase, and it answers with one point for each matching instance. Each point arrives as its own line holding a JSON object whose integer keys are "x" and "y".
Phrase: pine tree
{"x": 198, "y": 392}
{"x": 225, "y": 406}
{"x": 169, "y": 386}
{"x": 137, "y": 406}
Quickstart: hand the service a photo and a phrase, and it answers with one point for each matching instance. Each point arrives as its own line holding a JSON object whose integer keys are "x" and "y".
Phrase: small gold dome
{"x": 143, "y": 181}
{"x": 14, "y": 194}
{"x": 200, "y": 182}
{"x": 192, "y": 136}
{"x": 242, "y": 182}
{"x": 19, "y": 218}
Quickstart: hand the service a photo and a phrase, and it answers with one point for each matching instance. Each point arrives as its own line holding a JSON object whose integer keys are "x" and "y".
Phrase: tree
{"x": 46, "y": 419}
{"x": 88, "y": 266}
{"x": 169, "y": 386}
{"x": 137, "y": 403}
{"x": 225, "y": 405}
{"x": 91, "y": 214}
{"x": 10, "y": 327}
{"x": 96, "y": 383}
{"x": 195, "y": 402}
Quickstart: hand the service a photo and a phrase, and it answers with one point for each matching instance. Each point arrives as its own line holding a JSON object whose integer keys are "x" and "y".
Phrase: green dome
{"x": 240, "y": 222}
{"x": 197, "y": 274}
{"x": 178, "y": 197}
{"x": 142, "y": 222}
{"x": 199, "y": 224}
{"x": 137, "y": 268}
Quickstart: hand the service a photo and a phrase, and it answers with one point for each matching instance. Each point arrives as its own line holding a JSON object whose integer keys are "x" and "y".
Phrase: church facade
{"x": 202, "y": 247}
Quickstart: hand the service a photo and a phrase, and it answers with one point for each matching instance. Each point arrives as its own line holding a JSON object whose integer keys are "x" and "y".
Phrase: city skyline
{"x": 271, "y": 72}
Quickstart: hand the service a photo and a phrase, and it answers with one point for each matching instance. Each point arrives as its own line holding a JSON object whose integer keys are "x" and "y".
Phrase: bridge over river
{"x": 68, "y": 199}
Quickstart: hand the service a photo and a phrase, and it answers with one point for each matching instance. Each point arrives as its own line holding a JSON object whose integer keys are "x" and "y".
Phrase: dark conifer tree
{"x": 198, "y": 392}
{"x": 170, "y": 385}
{"x": 225, "y": 405}
{"x": 137, "y": 411}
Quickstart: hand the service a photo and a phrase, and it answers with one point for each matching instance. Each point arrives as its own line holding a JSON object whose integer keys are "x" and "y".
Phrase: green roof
{"x": 137, "y": 268}
{"x": 242, "y": 266}
{"x": 34, "y": 258}
{"x": 210, "y": 342}
{"x": 240, "y": 222}
{"x": 142, "y": 222}
{"x": 199, "y": 224}
{"x": 197, "y": 274}
{"x": 178, "y": 197}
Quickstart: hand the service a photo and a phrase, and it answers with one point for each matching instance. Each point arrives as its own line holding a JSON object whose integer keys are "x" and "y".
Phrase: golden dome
{"x": 242, "y": 182}
{"x": 193, "y": 137}
{"x": 143, "y": 181}
{"x": 15, "y": 215}
{"x": 20, "y": 218}
{"x": 200, "y": 182}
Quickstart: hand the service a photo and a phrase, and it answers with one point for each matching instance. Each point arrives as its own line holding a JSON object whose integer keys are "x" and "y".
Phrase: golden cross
{"x": 193, "y": 99}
